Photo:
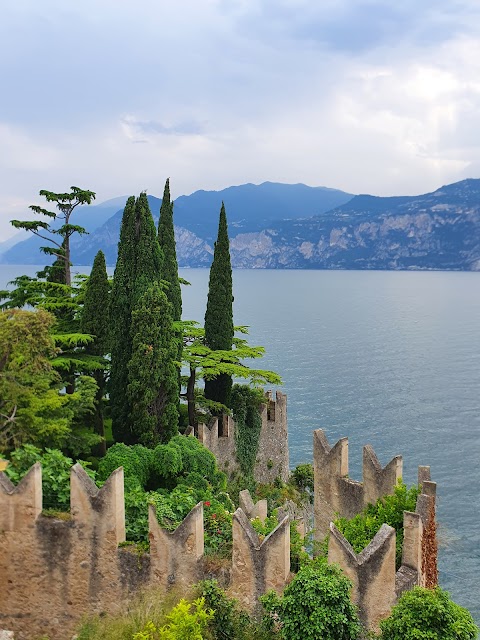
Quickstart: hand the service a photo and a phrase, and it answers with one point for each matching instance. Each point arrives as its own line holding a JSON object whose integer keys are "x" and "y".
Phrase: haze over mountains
{"x": 295, "y": 226}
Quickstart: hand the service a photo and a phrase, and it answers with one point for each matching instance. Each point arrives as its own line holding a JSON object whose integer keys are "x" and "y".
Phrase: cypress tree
{"x": 96, "y": 321}
{"x": 219, "y": 313}
{"x": 139, "y": 265}
{"x": 152, "y": 392}
{"x": 166, "y": 238}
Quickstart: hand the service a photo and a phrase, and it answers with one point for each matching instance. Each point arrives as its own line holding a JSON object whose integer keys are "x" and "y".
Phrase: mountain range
{"x": 295, "y": 226}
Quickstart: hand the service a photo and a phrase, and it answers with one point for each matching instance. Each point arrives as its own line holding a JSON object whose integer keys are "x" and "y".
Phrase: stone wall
{"x": 337, "y": 495}
{"x": 55, "y": 571}
{"x": 376, "y": 583}
{"x": 272, "y": 458}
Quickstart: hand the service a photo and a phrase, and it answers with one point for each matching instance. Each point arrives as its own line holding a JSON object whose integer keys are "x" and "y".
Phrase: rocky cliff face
{"x": 440, "y": 230}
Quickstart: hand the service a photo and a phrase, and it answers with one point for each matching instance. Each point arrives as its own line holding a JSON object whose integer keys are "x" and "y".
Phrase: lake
{"x": 390, "y": 359}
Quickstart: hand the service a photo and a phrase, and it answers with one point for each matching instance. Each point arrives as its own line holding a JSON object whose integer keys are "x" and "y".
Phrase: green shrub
{"x": 360, "y": 530}
{"x": 316, "y": 604}
{"x": 428, "y": 614}
{"x": 136, "y": 461}
{"x": 186, "y": 621}
{"x": 181, "y": 457}
{"x": 302, "y": 476}
{"x": 245, "y": 403}
{"x": 229, "y": 621}
{"x": 55, "y": 473}
{"x": 150, "y": 606}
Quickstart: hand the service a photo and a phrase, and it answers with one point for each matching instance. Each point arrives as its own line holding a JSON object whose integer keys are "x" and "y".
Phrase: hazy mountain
{"x": 299, "y": 227}
{"x": 439, "y": 230}
{"x": 12, "y": 241}
{"x": 249, "y": 208}
{"x": 252, "y": 207}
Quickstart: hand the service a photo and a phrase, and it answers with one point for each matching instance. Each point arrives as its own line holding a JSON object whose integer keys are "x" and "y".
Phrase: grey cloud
{"x": 358, "y": 26}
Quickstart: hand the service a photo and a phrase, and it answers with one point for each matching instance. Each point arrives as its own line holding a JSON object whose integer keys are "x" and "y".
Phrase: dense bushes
{"x": 173, "y": 477}
{"x": 428, "y": 614}
{"x": 360, "y": 530}
{"x": 316, "y": 604}
{"x": 55, "y": 473}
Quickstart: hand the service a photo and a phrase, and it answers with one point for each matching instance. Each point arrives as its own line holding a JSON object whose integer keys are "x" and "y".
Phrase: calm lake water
{"x": 386, "y": 358}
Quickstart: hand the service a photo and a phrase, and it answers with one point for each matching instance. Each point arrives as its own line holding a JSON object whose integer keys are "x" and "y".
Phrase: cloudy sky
{"x": 368, "y": 96}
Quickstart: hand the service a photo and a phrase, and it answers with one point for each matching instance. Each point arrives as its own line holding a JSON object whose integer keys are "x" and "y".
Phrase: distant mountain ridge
{"x": 298, "y": 227}
{"x": 249, "y": 208}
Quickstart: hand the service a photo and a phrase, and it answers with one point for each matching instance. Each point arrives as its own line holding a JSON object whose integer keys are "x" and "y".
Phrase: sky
{"x": 367, "y": 96}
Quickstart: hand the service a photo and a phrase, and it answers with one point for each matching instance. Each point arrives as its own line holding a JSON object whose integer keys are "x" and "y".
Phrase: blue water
{"x": 386, "y": 358}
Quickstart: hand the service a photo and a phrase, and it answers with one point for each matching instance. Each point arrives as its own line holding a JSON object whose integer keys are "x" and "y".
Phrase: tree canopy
{"x": 65, "y": 203}
{"x": 219, "y": 314}
{"x": 139, "y": 266}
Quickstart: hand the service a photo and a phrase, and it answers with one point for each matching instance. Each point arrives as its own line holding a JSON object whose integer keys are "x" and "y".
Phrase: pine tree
{"x": 139, "y": 265}
{"x": 96, "y": 322}
{"x": 219, "y": 313}
{"x": 166, "y": 237}
{"x": 152, "y": 392}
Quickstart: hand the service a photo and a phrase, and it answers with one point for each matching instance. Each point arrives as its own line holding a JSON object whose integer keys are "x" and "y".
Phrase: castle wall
{"x": 272, "y": 458}
{"x": 372, "y": 573}
{"x": 258, "y": 566}
{"x": 376, "y": 584}
{"x": 337, "y": 495}
{"x": 55, "y": 571}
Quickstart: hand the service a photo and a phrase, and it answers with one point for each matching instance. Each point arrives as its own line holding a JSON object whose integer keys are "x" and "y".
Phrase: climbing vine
{"x": 245, "y": 403}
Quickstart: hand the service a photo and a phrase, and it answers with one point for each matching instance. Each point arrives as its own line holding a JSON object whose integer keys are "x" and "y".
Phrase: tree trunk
{"x": 191, "y": 399}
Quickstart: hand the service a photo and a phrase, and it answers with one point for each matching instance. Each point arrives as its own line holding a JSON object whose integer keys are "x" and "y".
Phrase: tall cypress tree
{"x": 96, "y": 321}
{"x": 152, "y": 392}
{"x": 219, "y": 313}
{"x": 139, "y": 265}
{"x": 166, "y": 238}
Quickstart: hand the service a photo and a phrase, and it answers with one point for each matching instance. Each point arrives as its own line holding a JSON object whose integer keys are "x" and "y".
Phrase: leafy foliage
{"x": 65, "y": 204}
{"x": 55, "y": 473}
{"x": 186, "y": 621}
{"x": 138, "y": 268}
{"x": 246, "y": 411}
{"x": 173, "y": 477}
{"x": 229, "y": 621}
{"x": 302, "y": 476}
{"x": 34, "y": 408}
{"x": 316, "y": 604}
{"x": 152, "y": 391}
{"x": 428, "y": 614}
{"x": 360, "y": 530}
{"x": 206, "y": 363}
{"x": 136, "y": 461}
{"x": 219, "y": 314}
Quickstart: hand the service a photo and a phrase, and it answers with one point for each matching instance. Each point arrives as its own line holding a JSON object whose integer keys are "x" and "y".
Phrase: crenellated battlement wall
{"x": 272, "y": 458}
{"x": 55, "y": 571}
{"x": 337, "y": 495}
{"x": 376, "y": 583}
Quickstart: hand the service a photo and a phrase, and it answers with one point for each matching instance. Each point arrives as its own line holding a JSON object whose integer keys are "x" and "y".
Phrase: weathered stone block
{"x": 372, "y": 573}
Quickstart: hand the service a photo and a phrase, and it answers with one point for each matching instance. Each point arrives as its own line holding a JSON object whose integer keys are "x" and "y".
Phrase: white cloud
{"x": 115, "y": 96}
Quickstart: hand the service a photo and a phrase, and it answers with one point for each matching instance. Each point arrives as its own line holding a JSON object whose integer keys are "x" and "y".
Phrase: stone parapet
{"x": 372, "y": 573}
{"x": 56, "y": 570}
{"x": 337, "y": 495}
{"x": 258, "y": 566}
